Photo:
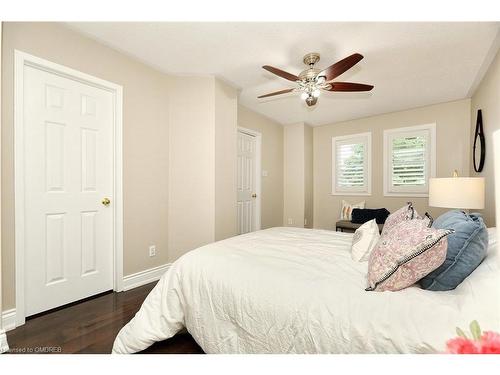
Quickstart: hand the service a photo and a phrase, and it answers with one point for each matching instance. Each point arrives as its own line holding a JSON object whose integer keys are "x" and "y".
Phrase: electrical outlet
{"x": 290, "y": 221}
{"x": 152, "y": 251}
{"x": 305, "y": 221}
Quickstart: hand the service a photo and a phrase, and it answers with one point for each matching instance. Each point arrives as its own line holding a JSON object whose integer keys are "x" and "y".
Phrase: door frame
{"x": 22, "y": 59}
{"x": 257, "y": 172}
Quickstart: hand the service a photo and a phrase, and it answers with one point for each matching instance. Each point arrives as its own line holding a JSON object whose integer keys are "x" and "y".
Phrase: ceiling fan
{"x": 312, "y": 80}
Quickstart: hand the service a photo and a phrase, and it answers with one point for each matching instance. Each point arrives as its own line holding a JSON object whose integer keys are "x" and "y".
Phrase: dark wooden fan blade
{"x": 275, "y": 93}
{"x": 281, "y": 73}
{"x": 341, "y": 66}
{"x": 348, "y": 86}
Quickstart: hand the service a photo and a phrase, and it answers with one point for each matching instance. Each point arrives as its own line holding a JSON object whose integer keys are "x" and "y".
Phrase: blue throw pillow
{"x": 466, "y": 250}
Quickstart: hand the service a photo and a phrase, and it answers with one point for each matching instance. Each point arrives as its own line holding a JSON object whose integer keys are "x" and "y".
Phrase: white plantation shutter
{"x": 409, "y": 160}
{"x": 351, "y": 164}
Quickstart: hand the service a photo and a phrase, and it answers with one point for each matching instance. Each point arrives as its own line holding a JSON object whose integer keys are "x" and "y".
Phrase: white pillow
{"x": 364, "y": 240}
{"x": 346, "y": 211}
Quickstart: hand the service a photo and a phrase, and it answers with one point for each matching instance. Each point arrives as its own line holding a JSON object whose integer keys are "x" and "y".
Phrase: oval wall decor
{"x": 479, "y": 148}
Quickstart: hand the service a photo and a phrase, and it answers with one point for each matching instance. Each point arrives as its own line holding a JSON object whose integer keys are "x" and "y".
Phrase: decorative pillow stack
{"x": 407, "y": 251}
{"x": 346, "y": 211}
{"x": 467, "y": 248}
{"x": 364, "y": 240}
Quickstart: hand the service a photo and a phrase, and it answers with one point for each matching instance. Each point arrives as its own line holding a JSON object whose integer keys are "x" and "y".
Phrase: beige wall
{"x": 293, "y": 193}
{"x": 308, "y": 177}
{"x": 272, "y": 162}
{"x": 226, "y": 122}
{"x": 191, "y": 210}
{"x": 298, "y": 176}
{"x": 487, "y": 98}
{"x": 453, "y": 152}
{"x": 202, "y": 169}
{"x": 145, "y": 139}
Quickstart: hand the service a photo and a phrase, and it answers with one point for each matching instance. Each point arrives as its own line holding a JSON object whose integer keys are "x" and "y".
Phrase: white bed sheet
{"x": 294, "y": 290}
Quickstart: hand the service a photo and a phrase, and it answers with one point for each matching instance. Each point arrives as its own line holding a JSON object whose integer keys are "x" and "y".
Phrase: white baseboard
{"x": 9, "y": 319}
{"x": 144, "y": 277}
{"x": 4, "y": 346}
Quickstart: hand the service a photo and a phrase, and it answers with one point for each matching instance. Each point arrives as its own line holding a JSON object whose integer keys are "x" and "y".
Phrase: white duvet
{"x": 291, "y": 290}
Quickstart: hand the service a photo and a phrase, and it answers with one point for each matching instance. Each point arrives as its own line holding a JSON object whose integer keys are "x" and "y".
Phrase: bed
{"x": 295, "y": 290}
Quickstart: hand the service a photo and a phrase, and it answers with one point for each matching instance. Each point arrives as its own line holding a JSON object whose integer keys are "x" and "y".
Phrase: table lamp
{"x": 457, "y": 192}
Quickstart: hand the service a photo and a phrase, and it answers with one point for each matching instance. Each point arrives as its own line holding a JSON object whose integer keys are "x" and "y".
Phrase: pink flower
{"x": 461, "y": 345}
{"x": 490, "y": 343}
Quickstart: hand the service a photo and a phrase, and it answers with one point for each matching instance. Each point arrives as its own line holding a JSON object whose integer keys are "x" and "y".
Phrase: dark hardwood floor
{"x": 90, "y": 327}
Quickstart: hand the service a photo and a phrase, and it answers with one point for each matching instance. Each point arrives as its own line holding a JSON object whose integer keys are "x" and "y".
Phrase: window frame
{"x": 366, "y": 139}
{"x": 389, "y": 134}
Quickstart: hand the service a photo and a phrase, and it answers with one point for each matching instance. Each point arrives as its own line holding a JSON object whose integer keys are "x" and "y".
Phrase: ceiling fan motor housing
{"x": 310, "y": 74}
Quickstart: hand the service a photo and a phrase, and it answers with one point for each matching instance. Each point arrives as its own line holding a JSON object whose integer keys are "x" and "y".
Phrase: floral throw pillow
{"x": 346, "y": 211}
{"x": 406, "y": 253}
{"x": 406, "y": 212}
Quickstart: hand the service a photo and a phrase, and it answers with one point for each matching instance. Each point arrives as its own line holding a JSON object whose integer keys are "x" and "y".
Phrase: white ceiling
{"x": 410, "y": 64}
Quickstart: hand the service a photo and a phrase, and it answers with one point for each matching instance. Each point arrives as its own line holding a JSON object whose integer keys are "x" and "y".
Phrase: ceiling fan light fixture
{"x": 311, "y": 81}
{"x": 311, "y": 100}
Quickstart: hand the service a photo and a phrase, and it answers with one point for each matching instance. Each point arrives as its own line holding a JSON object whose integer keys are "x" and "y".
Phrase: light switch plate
{"x": 264, "y": 174}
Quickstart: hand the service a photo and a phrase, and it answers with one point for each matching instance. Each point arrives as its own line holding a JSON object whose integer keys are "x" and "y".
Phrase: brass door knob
{"x": 106, "y": 202}
{"x": 254, "y": 195}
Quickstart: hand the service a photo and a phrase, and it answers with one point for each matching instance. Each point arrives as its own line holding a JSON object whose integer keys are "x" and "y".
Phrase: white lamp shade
{"x": 457, "y": 192}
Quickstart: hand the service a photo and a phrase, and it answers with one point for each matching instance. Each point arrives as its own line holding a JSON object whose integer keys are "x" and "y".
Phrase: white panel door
{"x": 68, "y": 167}
{"x": 246, "y": 183}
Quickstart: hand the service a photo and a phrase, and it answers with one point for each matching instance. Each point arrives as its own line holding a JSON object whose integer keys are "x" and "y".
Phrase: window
{"x": 351, "y": 164}
{"x": 409, "y": 160}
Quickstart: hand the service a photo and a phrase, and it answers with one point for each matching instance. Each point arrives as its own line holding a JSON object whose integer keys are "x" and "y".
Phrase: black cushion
{"x": 362, "y": 215}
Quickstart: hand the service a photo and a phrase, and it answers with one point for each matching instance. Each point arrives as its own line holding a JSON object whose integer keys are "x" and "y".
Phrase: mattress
{"x": 295, "y": 290}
